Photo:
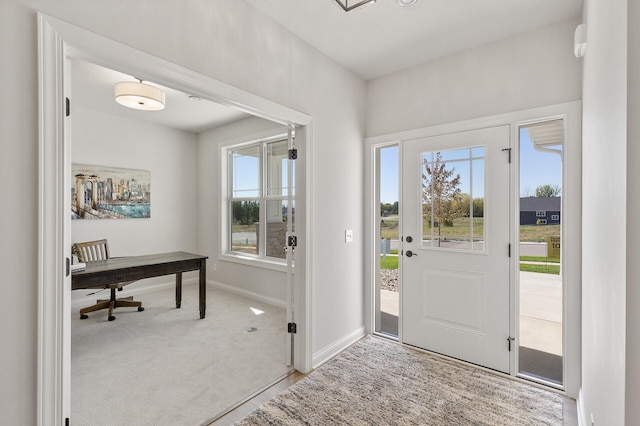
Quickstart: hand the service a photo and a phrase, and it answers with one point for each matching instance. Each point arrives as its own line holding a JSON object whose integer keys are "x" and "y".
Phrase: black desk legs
{"x": 178, "y": 289}
{"x": 203, "y": 287}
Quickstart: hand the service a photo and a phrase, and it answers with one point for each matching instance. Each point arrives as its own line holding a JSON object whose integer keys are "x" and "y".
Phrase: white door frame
{"x": 571, "y": 210}
{"x": 59, "y": 40}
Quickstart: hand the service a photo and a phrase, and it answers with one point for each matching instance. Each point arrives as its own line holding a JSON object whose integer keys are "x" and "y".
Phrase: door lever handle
{"x": 410, "y": 253}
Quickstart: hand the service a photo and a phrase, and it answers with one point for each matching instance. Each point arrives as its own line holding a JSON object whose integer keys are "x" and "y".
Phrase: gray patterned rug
{"x": 377, "y": 382}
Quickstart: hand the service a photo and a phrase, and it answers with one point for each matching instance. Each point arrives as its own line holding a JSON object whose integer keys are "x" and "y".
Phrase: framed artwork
{"x": 101, "y": 192}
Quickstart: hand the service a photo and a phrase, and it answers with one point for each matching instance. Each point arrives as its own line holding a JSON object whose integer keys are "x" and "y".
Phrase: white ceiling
{"x": 372, "y": 40}
{"x": 92, "y": 88}
{"x": 380, "y": 38}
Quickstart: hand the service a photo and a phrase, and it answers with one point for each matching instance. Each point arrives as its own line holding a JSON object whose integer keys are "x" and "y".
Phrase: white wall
{"x": 19, "y": 213}
{"x": 632, "y": 378}
{"x": 530, "y": 70}
{"x": 170, "y": 156}
{"x": 229, "y": 41}
{"x": 254, "y": 280}
{"x": 604, "y": 214}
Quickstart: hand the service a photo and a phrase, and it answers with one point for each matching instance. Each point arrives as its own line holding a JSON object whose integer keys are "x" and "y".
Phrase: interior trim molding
{"x": 580, "y": 409}
{"x": 53, "y": 347}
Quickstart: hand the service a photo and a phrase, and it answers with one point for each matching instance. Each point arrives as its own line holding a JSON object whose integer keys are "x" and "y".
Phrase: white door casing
{"x": 455, "y": 300}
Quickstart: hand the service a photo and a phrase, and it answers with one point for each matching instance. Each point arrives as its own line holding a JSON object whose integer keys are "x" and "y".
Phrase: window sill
{"x": 273, "y": 265}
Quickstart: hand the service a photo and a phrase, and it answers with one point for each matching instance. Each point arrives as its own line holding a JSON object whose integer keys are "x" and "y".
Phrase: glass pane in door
{"x": 453, "y": 199}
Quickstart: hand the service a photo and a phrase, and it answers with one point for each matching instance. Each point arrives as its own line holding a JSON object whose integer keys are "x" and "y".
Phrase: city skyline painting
{"x": 103, "y": 192}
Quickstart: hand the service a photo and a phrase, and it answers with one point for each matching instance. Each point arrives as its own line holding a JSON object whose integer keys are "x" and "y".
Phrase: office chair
{"x": 92, "y": 251}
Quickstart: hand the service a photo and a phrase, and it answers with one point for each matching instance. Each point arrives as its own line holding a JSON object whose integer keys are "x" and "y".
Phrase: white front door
{"x": 455, "y": 266}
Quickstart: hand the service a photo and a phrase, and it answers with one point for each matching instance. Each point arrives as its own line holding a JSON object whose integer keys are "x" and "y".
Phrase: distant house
{"x": 540, "y": 210}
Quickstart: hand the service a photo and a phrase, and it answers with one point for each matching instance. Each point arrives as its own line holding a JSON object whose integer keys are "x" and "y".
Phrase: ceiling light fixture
{"x": 138, "y": 95}
{"x": 405, "y": 3}
{"x": 347, "y": 5}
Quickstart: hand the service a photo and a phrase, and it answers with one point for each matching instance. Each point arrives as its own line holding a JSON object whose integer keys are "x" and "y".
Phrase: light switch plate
{"x": 348, "y": 236}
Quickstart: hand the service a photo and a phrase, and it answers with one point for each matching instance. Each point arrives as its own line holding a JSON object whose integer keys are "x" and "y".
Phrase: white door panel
{"x": 455, "y": 284}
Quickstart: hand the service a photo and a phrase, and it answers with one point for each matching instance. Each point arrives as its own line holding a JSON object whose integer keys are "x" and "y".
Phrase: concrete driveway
{"x": 540, "y": 311}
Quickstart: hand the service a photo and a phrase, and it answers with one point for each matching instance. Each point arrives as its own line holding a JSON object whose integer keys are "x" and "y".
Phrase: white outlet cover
{"x": 348, "y": 236}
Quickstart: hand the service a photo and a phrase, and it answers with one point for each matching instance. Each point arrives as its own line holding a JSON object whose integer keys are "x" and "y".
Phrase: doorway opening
{"x": 540, "y": 294}
{"x": 102, "y": 132}
{"x": 61, "y": 42}
{"x": 387, "y": 280}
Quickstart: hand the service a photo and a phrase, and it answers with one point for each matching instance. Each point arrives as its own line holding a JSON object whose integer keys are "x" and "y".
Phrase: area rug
{"x": 377, "y": 382}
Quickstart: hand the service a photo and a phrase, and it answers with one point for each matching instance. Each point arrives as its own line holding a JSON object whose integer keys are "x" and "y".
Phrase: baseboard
{"x": 580, "y": 408}
{"x": 249, "y": 294}
{"x": 142, "y": 288}
{"x": 334, "y": 349}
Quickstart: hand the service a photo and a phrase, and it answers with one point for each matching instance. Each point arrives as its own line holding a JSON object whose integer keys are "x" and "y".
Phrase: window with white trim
{"x": 541, "y": 213}
{"x": 258, "y": 199}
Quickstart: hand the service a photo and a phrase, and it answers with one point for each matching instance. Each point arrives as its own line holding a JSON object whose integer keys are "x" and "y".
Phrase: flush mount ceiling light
{"x": 138, "y": 95}
{"x": 405, "y": 3}
{"x": 347, "y": 5}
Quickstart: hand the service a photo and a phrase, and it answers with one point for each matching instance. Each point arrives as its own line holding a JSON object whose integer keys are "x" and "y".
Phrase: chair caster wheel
{"x": 140, "y": 309}
{"x": 111, "y": 318}
{"x": 83, "y": 316}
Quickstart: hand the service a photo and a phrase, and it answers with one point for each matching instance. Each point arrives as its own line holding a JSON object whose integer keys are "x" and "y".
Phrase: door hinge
{"x": 292, "y": 328}
{"x": 509, "y": 340}
{"x": 509, "y": 249}
{"x": 293, "y": 154}
{"x": 292, "y": 241}
{"x": 67, "y": 106}
{"x": 509, "y": 150}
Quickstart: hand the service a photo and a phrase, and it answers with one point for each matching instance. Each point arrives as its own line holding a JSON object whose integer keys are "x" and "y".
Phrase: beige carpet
{"x": 377, "y": 382}
{"x": 165, "y": 366}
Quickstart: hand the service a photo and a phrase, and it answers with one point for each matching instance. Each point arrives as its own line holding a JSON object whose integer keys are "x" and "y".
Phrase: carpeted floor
{"x": 165, "y": 366}
{"x": 377, "y": 382}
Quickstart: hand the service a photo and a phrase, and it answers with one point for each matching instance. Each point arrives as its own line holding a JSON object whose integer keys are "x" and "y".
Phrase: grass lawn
{"x": 460, "y": 228}
{"x": 528, "y": 233}
{"x": 540, "y": 269}
{"x": 539, "y": 259}
{"x": 391, "y": 262}
{"x": 389, "y": 227}
{"x": 538, "y": 233}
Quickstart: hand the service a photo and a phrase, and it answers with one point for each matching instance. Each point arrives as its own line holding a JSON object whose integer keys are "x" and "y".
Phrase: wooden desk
{"x": 131, "y": 268}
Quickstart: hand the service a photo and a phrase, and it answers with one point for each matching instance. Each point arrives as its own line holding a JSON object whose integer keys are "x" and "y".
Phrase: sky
{"x": 536, "y": 169}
